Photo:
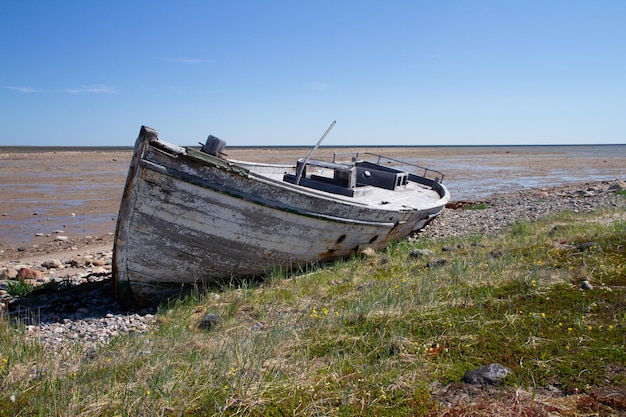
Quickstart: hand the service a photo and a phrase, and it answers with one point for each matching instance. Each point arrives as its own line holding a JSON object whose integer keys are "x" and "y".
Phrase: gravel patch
{"x": 505, "y": 209}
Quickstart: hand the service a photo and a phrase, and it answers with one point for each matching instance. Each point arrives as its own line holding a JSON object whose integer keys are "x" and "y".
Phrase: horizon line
{"x": 130, "y": 147}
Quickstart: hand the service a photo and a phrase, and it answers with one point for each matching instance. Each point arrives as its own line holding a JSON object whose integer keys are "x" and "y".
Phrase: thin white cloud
{"x": 92, "y": 89}
{"x": 100, "y": 89}
{"x": 318, "y": 86}
{"x": 188, "y": 60}
{"x": 25, "y": 90}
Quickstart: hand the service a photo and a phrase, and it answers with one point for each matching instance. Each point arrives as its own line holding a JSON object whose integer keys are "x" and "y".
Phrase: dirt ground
{"x": 76, "y": 194}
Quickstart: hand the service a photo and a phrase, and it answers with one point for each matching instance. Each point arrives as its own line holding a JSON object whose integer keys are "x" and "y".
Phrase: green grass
{"x": 477, "y": 206}
{"x": 358, "y": 337}
{"x": 19, "y": 288}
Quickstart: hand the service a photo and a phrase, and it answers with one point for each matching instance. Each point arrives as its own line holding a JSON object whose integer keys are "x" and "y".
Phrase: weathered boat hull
{"x": 190, "y": 218}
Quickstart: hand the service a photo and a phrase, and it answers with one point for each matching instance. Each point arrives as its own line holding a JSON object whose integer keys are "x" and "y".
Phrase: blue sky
{"x": 279, "y": 72}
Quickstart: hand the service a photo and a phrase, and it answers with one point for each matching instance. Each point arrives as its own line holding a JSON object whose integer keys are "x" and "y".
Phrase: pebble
{"x": 421, "y": 253}
{"x": 53, "y": 263}
{"x": 209, "y": 321}
{"x": 491, "y": 374}
{"x": 28, "y": 273}
{"x": 7, "y": 274}
{"x": 586, "y": 285}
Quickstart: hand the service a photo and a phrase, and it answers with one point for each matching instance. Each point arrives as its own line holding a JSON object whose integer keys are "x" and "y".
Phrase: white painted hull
{"x": 190, "y": 218}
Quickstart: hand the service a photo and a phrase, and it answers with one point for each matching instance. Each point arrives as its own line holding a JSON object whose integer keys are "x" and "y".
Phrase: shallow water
{"x": 478, "y": 172}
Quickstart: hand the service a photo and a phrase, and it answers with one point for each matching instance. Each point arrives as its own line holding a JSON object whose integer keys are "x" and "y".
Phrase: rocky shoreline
{"x": 76, "y": 303}
{"x": 73, "y": 303}
{"x": 504, "y": 209}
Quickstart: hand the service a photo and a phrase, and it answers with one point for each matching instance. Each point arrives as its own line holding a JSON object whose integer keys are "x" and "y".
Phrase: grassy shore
{"x": 374, "y": 335}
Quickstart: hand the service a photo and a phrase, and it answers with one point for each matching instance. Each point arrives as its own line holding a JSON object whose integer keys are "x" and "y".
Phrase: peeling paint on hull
{"x": 190, "y": 218}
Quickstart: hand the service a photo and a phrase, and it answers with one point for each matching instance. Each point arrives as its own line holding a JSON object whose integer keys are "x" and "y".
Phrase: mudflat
{"x": 66, "y": 200}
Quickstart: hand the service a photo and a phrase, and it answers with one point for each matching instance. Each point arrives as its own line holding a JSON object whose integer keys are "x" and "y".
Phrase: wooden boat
{"x": 191, "y": 216}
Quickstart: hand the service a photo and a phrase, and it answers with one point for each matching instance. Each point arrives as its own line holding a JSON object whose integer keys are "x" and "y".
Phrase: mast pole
{"x": 306, "y": 159}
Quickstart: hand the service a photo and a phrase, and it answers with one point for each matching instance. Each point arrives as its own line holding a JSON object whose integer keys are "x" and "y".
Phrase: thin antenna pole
{"x": 319, "y": 142}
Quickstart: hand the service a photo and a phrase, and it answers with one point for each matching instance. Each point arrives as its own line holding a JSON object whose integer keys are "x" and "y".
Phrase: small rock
{"x": 258, "y": 326}
{"x": 8, "y": 273}
{"x": 586, "y": 285}
{"x": 61, "y": 238}
{"x": 421, "y": 253}
{"x": 491, "y": 374}
{"x": 53, "y": 263}
{"x": 584, "y": 193}
{"x": 209, "y": 321}
{"x": 437, "y": 264}
{"x": 28, "y": 273}
{"x": 77, "y": 263}
{"x": 617, "y": 186}
{"x": 368, "y": 252}
{"x": 589, "y": 246}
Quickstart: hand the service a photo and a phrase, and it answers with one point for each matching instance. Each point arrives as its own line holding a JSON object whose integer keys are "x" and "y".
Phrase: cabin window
{"x": 374, "y": 239}
{"x": 341, "y": 238}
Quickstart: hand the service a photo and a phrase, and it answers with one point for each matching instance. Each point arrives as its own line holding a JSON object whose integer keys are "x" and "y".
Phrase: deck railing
{"x": 429, "y": 173}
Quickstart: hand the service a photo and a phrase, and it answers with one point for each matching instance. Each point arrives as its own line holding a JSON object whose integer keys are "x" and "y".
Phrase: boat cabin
{"x": 351, "y": 179}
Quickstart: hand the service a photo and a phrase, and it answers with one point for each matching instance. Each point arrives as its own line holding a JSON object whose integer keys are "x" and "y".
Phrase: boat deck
{"x": 413, "y": 196}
